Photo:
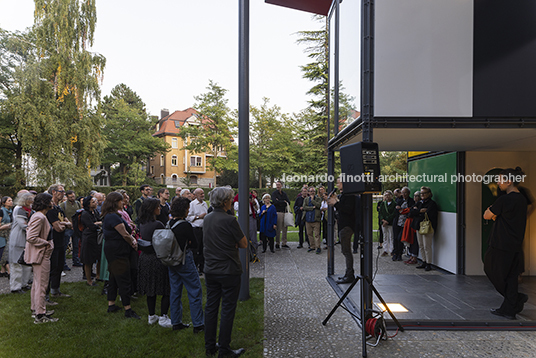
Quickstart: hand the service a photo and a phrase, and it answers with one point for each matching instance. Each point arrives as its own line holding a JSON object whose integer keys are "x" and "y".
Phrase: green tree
{"x": 214, "y": 131}
{"x": 393, "y": 163}
{"x": 273, "y": 146}
{"x": 54, "y": 102}
{"x": 128, "y": 130}
{"x": 314, "y": 120}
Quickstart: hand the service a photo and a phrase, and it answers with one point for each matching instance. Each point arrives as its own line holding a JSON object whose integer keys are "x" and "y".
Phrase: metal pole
{"x": 243, "y": 139}
{"x": 367, "y": 115}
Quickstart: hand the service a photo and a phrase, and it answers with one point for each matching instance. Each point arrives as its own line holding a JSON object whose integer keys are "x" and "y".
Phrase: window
{"x": 161, "y": 160}
{"x": 196, "y": 162}
{"x": 174, "y": 160}
{"x": 174, "y": 178}
{"x": 193, "y": 180}
{"x": 163, "y": 179}
{"x": 152, "y": 169}
{"x": 174, "y": 143}
{"x": 177, "y": 124}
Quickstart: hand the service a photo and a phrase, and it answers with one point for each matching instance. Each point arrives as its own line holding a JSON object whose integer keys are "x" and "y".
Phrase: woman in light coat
{"x": 39, "y": 247}
{"x": 20, "y": 274}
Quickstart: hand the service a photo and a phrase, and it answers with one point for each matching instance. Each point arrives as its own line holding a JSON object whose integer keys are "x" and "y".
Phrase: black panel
{"x": 504, "y": 58}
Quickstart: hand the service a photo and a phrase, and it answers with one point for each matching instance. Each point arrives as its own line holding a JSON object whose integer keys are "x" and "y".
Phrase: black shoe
{"x": 78, "y": 264}
{"x": 299, "y": 247}
{"x": 178, "y": 327}
{"x": 523, "y": 298}
{"x": 421, "y": 266}
{"x": 231, "y": 353}
{"x": 354, "y": 252}
{"x": 18, "y": 291}
{"x": 498, "y": 312}
{"x": 399, "y": 258}
{"x": 199, "y": 329}
{"x": 211, "y": 352}
{"x": 263, "y": 251}
{"x": 277, "y": 246}
{"x": 345, "y": 279}
{"x": 66, "y": 268}
{"x": 285, "y": 246}
{"x": 113, "y": 308}
{"x": 131, "y": 314}
{"x": 428, "y": 267}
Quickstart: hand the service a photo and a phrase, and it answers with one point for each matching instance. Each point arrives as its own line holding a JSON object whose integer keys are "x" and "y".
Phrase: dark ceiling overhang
{"x": 320, "y": 7}
{"x": 444, "y": 134}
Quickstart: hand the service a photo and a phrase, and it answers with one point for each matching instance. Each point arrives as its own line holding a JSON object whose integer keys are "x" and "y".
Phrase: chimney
{"x": 164, "y": 112}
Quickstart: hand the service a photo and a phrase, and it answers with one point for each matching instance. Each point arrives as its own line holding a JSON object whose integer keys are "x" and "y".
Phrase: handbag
{"x": 289, "y": 218}
{"x": 425, "y": 226}
{"x": 100, "y": 236}
{"x": 21, "y": 261}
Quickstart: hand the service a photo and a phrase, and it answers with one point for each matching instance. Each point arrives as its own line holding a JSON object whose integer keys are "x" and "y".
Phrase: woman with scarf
{"x": 268, "y": 223}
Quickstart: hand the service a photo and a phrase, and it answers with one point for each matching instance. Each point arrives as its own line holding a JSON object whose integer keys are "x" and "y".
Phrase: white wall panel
{"x": 424, "y": 58}
{"x": 444, "y": 245}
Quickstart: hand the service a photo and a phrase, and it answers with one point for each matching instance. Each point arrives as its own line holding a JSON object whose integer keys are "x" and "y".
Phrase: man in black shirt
{"x": 280, "y": 200}
{"x": 300, "y": 221}
{"x": 56, "y": 217}
{"x": 503, "y": 262}
{"x": 345, "y": 206}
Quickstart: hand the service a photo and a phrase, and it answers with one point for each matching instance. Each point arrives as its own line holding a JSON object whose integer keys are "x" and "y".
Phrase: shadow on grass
{"x": 85, "y": 329}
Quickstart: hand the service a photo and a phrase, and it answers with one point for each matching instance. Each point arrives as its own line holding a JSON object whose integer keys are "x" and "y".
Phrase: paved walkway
{"x": 298, "y": 298}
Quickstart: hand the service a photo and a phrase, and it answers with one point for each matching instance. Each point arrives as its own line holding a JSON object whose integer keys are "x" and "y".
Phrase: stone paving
{"x": 298, "y": 298}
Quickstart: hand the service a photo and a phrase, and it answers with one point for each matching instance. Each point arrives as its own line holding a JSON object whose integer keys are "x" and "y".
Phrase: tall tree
{"x": 273, "y": 146}
{"x": 214, "y": 132}
{"x": 59, "y": 104}
{"x": 314, "y": 120}
{"x": 393, "y": 163}
{"x": 128, "y": 129}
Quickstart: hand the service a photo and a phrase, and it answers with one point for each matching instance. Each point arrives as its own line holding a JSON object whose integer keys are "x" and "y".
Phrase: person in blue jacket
{"x": 268, "y": 222}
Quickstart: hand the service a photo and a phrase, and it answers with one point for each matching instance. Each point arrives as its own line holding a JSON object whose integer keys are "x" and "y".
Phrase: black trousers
{"x": 302, "y": 233}
{"x": 267, "y": 241}
{"x": 503, "y": 269}
{"x": 57, "y": 261}
{"x": 199, "y": 257}
{"x": 120, "y": 279}
{"x": 397, "y": 237}
{"x": 346, "y": 246}
{"x": 224, "y": 288}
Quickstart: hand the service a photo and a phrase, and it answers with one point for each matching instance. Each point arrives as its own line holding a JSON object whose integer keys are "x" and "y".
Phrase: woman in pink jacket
{"x": 38, "y": 250}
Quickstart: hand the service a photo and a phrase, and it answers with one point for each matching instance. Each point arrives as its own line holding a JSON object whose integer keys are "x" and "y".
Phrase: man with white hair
{"x": 185, "y": 193}
{"x": 196, "y": 216}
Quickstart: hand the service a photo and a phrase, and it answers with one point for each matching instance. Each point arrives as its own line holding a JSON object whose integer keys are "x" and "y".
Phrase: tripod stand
{"x": 365, "y": 243}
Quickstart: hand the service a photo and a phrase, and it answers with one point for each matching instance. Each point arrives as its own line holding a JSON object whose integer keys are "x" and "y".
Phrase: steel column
{"x": 243, "y": 139}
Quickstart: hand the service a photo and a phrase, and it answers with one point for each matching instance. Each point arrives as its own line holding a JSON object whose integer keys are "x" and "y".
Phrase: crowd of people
{"x": 103, "y": 232}
{"x": 399, "y": 219}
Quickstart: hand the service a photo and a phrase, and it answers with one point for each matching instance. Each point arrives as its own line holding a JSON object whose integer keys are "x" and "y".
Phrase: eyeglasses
{"x": 60, "y": 191}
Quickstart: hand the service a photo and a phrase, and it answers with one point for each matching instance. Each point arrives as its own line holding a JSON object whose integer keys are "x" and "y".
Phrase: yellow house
{"x": 179, "y": 167}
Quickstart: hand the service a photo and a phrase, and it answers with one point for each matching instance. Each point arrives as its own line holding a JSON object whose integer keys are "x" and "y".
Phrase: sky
{"x": 167, "y": 51}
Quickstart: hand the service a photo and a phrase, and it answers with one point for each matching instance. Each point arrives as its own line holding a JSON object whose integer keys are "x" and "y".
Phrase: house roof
{"x": 320, "y": 7}
{"x": 167, "y": 124}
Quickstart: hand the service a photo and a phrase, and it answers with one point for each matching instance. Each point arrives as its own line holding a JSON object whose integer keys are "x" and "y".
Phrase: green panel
{"x": 437, "y": 173}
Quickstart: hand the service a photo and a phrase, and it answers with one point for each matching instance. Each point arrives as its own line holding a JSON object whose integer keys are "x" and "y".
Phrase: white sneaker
{"x": 153, "y": 319}
{"x": 165, "y": 321}
{"x": 63, "y": 274}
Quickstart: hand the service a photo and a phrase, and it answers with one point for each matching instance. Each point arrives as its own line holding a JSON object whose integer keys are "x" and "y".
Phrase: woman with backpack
{"x": 90, "y": 252}
{"x": 185, "y": 274}
{"x": 153, "y": 278}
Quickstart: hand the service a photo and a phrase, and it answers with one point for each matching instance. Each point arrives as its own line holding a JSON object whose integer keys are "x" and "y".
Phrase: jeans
{"x": 68, "y": 235}
{"x": 186, "y": 275}
{"x": 224, "y": 288}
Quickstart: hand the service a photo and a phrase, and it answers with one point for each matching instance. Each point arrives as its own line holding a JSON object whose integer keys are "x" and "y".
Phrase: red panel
{"x": 320, "y": 7}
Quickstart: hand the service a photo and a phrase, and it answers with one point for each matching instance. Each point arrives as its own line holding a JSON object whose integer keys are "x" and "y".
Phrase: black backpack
{"x": 76, "y": 220}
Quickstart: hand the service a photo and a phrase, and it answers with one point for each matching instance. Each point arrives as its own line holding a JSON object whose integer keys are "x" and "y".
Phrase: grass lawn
{"x": 85, "y": 329}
